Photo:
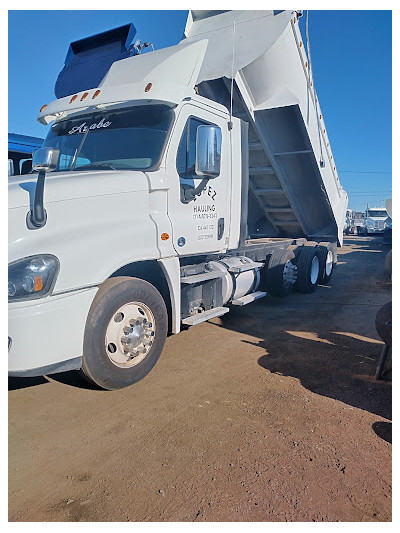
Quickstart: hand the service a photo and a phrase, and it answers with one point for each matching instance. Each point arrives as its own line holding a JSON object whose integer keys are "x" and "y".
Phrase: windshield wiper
{"x": 95, "y": 165}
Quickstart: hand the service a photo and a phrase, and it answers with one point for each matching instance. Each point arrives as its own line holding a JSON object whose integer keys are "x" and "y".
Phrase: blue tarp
{"x": 88, "y": 60}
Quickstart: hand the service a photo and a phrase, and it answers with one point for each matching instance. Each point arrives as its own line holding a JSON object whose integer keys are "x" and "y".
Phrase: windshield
{"x": 125, "y": 139}
{"x": 376, "y": 213}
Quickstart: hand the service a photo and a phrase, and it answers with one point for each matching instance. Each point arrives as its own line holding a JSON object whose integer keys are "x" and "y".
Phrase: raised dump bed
{"x": 294, "y": 187}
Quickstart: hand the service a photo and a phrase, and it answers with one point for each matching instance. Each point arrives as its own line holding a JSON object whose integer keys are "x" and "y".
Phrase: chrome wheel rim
{"x": 289, "y": 274}
{"x": 314, "y": 270}
{"x": 130, "y": 335}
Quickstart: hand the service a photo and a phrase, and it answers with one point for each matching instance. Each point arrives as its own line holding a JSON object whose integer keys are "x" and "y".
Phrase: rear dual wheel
{"x": 328, "y": 258}
{"x": 280, "y": 273}
{"x": 308, "y": 268}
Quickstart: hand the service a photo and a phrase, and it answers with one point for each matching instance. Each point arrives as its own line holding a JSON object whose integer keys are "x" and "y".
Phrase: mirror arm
{"x": 37, "y": 217}
{"x": 190, "y": 194}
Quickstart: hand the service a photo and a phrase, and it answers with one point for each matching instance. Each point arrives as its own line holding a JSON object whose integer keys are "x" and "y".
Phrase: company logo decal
{"x": 83, "y": 128}
{"x": 181, "y": 241}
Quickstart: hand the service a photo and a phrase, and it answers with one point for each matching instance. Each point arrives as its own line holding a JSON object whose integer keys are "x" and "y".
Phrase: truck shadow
{"x": 23, "y": 383}
{"x": 332, "y": 368}
{"x": 70, "y": 378}
{"x": 327, "y": 340}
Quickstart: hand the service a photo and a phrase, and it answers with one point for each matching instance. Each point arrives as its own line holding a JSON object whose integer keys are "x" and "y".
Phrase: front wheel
{"x": 125, "y": 333}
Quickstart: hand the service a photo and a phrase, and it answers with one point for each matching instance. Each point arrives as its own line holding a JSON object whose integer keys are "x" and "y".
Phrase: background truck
{"x": 376, "y": 219}
{"x": 172, "y": 184}
{"x": 354, "y": 220}
{"x": 20, "y": 149}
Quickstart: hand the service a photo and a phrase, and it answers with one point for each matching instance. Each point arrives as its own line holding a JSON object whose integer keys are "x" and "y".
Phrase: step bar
{"x": 205, "y": 315}
{"x": 244, "y": 300}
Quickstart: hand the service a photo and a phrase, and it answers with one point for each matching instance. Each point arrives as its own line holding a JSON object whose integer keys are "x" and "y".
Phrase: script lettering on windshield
{"x": 83, "y": 128}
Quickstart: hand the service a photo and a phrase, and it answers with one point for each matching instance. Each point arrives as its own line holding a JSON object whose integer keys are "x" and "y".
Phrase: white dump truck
{"x": 172, "y": 184}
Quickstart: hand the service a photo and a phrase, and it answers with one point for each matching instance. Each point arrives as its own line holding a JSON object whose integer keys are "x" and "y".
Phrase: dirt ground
{"x": 268, "y": 414}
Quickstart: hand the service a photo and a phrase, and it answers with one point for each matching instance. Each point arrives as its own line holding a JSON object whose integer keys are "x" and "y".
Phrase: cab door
{"x": 197, "y": 207}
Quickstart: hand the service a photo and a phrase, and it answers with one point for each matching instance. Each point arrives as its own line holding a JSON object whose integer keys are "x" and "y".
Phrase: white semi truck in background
{"x": 376, "y": 219}
{"x": 171, "y": 185}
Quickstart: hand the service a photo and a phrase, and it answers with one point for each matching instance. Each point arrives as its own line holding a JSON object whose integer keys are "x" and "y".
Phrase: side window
{"x": 186, "y": 157}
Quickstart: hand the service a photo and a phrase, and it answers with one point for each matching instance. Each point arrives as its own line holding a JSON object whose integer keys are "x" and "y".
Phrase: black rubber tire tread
{"x": 383, "y": 323}
{"x": 295, "y": 249}
{"x": 333, "y": 247}
{"x": 303, "y": 283}
{"x": 324, "y": 247}
{"x": 114, "y": 292}
{"x": 388, "y": 262}
{"x": 274, "y": 272}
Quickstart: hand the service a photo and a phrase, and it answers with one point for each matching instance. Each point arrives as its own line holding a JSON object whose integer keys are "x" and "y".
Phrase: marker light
{"x": 42, "y": 108}
{"x": 148, "y": 87}
{"x": 96, "y": 94}
{"x": 73, "y": 98}
{"x": 84, "y": 95}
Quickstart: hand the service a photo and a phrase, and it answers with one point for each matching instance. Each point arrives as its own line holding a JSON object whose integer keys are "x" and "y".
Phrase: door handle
{"x": 221, "y": 227}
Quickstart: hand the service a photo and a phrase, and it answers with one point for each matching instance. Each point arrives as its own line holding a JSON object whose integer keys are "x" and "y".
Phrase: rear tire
{"x": 280, "y": 274}
{"x": 388, "y": 263}
{"x": 326, "y": 261}
{"x": 125, "y": 333}
{"x": 307, "y": 269}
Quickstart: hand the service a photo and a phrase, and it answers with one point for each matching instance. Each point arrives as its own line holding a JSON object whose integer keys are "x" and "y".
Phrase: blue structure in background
{"x": 88, "y": 60}
{"x": 20, "y": 149}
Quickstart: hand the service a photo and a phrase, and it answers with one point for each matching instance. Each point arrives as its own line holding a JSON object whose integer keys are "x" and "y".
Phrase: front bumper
{"x": 46, "y": 336}
{"x": 374, "y": 230}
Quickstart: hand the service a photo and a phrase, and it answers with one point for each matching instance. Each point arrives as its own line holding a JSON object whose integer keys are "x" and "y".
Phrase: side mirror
{"x": 10, "y": 167}
{"x": 208, "y": 151}
{"x": 45, "y": 159}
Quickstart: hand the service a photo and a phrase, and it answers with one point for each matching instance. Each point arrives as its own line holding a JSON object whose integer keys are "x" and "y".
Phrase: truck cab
{"x": 376, "y": 220}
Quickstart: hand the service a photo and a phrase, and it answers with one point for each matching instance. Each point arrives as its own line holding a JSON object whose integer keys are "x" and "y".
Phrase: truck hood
{"x": 74, "y": 185}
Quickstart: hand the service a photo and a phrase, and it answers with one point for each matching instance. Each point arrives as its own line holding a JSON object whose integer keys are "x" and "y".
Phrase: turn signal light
{"x": 164, "y": 236}
{"x": 148, "y": 87}
{"x": 38, "y": 283}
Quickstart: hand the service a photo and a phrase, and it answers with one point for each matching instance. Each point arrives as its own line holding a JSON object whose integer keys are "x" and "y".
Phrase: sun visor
{"x": 88, "y": 60}
{"x": 246, "y": 35}
{"x": 178, "y": 64}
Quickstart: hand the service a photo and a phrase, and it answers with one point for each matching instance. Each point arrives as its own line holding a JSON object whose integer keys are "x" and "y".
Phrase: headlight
{"x": 32, "y": 277}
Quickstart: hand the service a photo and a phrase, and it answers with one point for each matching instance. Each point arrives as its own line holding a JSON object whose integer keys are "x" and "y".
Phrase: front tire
{"x": 125, "y": 333}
